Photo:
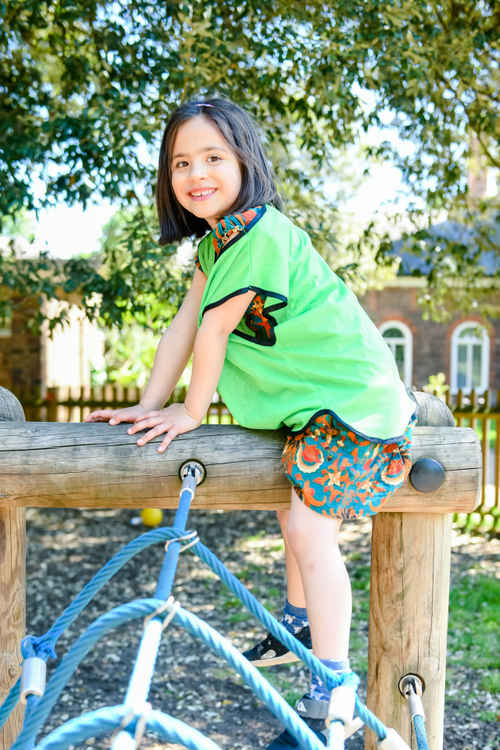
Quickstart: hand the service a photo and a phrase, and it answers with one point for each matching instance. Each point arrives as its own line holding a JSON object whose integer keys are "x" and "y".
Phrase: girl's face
{"x": 206, "y": 175}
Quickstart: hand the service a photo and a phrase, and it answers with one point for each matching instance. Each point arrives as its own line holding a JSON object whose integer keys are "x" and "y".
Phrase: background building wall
{"x": 431, "y": 341}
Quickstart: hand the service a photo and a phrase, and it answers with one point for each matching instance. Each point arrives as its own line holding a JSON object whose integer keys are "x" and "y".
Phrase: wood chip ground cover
{"x": 66, "y": 547}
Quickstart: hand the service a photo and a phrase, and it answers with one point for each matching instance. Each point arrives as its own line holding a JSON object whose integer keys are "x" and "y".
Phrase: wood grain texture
{"x": 95, "y": 465}
{"x": 12, "y": 588}
{"x": 409, "y": 596}
{"x": 409, "y": 589}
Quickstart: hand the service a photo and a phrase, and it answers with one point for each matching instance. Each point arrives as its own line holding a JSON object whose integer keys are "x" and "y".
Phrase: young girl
{"x": 286, "y": 344}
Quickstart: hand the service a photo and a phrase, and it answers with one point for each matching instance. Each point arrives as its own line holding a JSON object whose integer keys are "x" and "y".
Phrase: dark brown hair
{"x": 257, "y": 179}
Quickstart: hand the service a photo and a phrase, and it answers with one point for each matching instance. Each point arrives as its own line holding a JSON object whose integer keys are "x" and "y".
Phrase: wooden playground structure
{"x": 95, "y": 466}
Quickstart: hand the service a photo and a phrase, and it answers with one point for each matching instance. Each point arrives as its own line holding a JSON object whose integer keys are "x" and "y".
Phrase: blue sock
{"x": 318, "y": 690}
{"x": 294, "y": 618}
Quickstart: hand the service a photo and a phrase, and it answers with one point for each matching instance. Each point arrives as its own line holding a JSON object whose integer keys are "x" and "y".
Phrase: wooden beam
{"x": 409, "y": 594}
{"x": 96, "y": 466}
{"x": 12, "y": 586}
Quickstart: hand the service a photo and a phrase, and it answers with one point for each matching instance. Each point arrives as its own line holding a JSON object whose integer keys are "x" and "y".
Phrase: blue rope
{"x": 169, "y": 567}
{"x": 105, "y": 720}
{"x": 420, "y": 733}
{"x": 152, "y": 537}
{"x": 10, "y": 702}
{"x": 43, "y": 646}
{"x": 193, "y": 625}
{"x": 142, "y": 674}
{"x": 280, "y": 632}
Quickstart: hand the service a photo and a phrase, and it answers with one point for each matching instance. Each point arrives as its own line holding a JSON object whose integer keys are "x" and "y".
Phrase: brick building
{"x": 466, "y": 349}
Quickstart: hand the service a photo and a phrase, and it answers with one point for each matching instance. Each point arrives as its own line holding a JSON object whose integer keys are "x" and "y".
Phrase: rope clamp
{"x": 411, "y": 687}
{"x": 140, "y": 727}
{"x": 171, "y": 606}
{"x": 190, "y": 539}
{"x": 341, "y": 706}
{"x": 142, "y": 722}
{"x": 33, "y": 677}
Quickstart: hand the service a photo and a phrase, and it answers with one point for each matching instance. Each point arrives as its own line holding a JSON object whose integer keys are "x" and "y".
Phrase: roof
{"x": 418, "y": 263}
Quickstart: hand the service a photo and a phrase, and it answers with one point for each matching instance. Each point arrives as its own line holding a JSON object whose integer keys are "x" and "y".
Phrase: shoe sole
{"x": 274, "y": 660}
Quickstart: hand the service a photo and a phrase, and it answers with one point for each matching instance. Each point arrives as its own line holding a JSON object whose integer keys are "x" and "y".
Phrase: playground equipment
{"x": 93, "y": 465}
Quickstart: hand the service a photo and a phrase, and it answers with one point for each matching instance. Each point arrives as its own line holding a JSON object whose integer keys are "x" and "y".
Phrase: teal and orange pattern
{"x": 233, "y": 226}
{"x": 259, "y": 321}
{"x": 338, "y": 473}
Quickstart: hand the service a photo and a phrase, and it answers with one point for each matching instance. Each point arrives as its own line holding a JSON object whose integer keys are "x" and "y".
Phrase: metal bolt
{"x": 411, "y": 686}
{"x": 193, "y": 466}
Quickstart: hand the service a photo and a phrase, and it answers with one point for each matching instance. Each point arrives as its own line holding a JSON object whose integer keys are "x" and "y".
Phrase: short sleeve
{"x": 253, "y": 261}
{"x": 204, "y": 254}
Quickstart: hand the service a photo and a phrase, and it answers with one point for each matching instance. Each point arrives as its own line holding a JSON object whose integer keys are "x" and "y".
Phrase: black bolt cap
{"x": 426, "y": 475}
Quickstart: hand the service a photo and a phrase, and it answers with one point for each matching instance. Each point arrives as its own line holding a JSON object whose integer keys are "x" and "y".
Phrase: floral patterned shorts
{"x": 338, "y": 473}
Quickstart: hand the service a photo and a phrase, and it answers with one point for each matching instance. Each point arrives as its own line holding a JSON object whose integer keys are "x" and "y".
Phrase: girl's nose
{"x": 198, "y": 169}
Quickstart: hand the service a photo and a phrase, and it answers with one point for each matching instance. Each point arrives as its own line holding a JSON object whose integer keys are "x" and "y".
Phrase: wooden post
{"x": 409, "y": 593}
{"x": 95, "y": 466}
{"x": 12, "y": 587}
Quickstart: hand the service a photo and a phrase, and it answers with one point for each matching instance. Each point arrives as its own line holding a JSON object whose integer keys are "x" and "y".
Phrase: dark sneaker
{"x": 314, "y": 714}
{"x": 271, "y": 651}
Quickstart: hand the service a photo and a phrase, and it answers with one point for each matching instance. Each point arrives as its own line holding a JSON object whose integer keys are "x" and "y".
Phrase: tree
{"x": 85, "y": 87}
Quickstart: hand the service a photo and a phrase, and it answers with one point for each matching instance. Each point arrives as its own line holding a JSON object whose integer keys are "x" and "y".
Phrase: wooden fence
{"x": 480, "y": 411}
{"x": 69, "y": 404}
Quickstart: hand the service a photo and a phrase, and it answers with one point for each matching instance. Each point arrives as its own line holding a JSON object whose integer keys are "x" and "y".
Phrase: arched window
{"x": 398, "y": 337}
{"x": 470, "y": 357}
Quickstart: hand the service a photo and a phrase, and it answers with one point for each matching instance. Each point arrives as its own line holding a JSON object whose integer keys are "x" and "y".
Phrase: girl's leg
{"x": 271, "y": 651}
{"x": 295, "y": 590}
{"x": 313, "y": 540}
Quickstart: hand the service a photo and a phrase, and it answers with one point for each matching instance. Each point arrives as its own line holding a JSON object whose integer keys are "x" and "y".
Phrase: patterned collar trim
{"x": 234, "y": 226}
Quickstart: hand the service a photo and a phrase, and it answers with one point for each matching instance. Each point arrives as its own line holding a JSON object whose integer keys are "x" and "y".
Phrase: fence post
{"x": 409, "y": 594}
{"x": 12, "y": 586}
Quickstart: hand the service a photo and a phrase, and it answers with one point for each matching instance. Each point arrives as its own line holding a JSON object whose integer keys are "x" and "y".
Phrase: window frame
{"x": 485, "y": 357}
{"x": 406, "y": 340}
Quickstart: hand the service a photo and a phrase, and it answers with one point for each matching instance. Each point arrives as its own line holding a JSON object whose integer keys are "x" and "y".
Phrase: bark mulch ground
{"x": 66, "y": 547}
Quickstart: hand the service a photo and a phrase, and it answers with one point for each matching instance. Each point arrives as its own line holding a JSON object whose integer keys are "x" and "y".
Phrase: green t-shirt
{"x": 305, "y": 345}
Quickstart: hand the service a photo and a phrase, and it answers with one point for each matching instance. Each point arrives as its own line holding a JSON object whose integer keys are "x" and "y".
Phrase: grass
{"x": 473, "y": 628}
{"x": 472, "y": 640}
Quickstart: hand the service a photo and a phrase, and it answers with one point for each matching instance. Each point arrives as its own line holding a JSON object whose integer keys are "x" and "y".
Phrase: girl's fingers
{"x": 171, "y": 434}
{"x": 99, "y": 416}
{"x": 158, "y": 430}
{"x": 144, "y": 424}
{"x": 147, "y": 415}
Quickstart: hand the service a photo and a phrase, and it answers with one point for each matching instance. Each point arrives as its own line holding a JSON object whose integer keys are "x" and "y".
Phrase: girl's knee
{"x": 299, "y": 534}
{"x": 311, "y": 534}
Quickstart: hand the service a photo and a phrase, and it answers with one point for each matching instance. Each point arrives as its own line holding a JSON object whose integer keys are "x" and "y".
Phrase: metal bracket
{"x": 194, "y": 467}
{"x": 412, "y": 686}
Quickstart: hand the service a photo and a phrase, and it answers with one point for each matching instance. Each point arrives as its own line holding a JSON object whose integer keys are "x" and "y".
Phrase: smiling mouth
{"x": 201, "y": 195}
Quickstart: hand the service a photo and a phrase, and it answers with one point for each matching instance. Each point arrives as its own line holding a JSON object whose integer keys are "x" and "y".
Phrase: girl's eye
{"x": 180, "y": 164}
{"x": 214, "y": 157}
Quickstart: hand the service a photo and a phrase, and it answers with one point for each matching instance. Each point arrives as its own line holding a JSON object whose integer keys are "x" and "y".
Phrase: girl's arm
{"x": 174, "y": 350}
{"x": 175, "y": 347}
{"x": 209, "y": 352}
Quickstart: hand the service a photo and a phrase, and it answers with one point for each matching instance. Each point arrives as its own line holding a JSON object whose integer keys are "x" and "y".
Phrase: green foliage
{"x": 437, "y": 385}
{"x": 86, "y": 88}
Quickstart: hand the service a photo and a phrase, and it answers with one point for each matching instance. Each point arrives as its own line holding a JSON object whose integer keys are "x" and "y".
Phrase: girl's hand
{"x": 115, "y": 416}
{"x": 174, "y": 420}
